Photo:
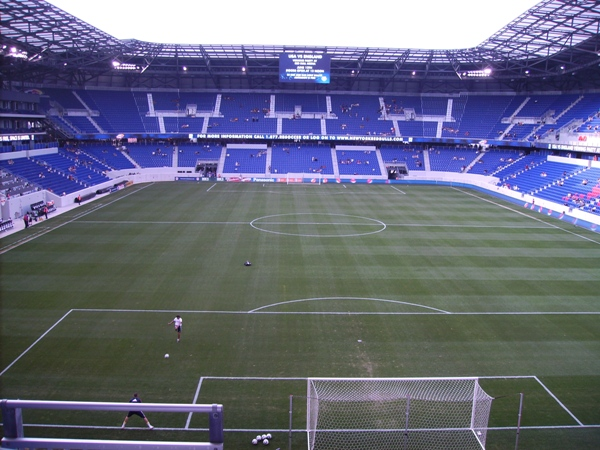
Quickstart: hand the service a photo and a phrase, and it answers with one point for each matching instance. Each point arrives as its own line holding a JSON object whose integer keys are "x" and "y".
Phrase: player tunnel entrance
{"x": 396, "y": 171}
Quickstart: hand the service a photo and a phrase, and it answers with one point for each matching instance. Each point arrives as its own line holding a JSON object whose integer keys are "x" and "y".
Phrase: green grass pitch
{"x": 346, "y": 281}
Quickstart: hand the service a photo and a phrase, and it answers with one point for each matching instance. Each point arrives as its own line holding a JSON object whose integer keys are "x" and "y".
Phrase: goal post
{"x": 304, "y": 178}
{"x": 399, "y": 413}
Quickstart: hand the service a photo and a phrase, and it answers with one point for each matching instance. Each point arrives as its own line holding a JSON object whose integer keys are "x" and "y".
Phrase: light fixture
{"x": 16, "y": 53}
{"x": 478, "y": 73}
{"x": 124, "y": 66}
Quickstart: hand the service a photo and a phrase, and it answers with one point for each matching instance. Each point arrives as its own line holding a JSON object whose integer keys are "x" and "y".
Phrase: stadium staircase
{"x": 133, "y": 161}
{"x": 90, "y": 113}
{"x": 222, "y": 158}
{"x": 217, "y": 107}
{"x": 475, "y": 161}
{"x": 512, "y": 118}
{"x": 336, "y": 169}
{"x": 426, "y": 161}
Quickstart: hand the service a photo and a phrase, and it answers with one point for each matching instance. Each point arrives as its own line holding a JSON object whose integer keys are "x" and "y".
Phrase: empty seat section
{"x": 357, "y": 162}
{"x": 190, "y": 154}
{"x": 407, "y": 154}
{"x": 301, "y": 158}
{"x": 245, "y": 161}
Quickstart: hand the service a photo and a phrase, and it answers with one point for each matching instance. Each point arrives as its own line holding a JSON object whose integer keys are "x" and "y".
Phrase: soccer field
{"x": 346, "y": 281}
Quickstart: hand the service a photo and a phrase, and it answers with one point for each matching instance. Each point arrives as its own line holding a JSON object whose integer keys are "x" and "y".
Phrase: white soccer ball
{"x": 254, "y": 442}
{"x": 265, "y": 442}
{"x": 259, "y": 437}
{"x": 166, "y": 355}
{"x": 263, "y": 437}
{"x": 269, "y": 436}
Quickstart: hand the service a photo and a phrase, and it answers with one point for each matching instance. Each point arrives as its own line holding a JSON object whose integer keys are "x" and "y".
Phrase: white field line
{"x": 200, "y": 382}
{"x": 544, "y": 427}
{"x": 347, "y": 298}
{"x": 332, "y": 313}
{"x": 399, "y": 190}
{"x": 37, "y": 340}
{"x": 345, "y": 313}
{"x": 558, "y": 401}
{"x": 528, "y": 216}
{"x": 75, "y": 218}
{"x": 197, "y": 394}
{"x": 162, "y": 222}
{"x": 189, "y": 419}
{"x": 418, "y": 225}
{"x": 282, "y": 430}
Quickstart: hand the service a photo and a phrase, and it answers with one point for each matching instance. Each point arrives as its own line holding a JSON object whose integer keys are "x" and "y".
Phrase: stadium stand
{"x": 245, "y": 161}
{"x": 358, "y": 162}
{"x": 301, "y": 158}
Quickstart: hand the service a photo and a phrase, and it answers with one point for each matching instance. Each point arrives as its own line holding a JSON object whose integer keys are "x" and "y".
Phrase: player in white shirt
{"x": 178, "y": 321}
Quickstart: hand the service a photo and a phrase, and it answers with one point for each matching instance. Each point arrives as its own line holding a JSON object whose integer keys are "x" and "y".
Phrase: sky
{"x": 423, "y": 24}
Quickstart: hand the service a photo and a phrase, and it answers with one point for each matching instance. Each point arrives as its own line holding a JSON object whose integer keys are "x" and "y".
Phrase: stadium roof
{"x": 553, "y": 46}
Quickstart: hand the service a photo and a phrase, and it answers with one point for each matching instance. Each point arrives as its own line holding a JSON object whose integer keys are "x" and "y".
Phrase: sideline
{"x": 521, "y": 213}
{"x": 20, "y": 226}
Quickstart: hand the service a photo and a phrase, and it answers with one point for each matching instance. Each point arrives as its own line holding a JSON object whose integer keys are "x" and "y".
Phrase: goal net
{"x": 308, "y": 178}
{"x": 398, "y": 413}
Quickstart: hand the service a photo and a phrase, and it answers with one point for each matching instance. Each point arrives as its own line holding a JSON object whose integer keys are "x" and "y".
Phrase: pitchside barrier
{"x": 14, "y": 437}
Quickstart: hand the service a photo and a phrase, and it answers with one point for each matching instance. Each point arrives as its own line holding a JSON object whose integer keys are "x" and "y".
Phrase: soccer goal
{"x": 398, "y": 413}
{"x": 300, "y": 178}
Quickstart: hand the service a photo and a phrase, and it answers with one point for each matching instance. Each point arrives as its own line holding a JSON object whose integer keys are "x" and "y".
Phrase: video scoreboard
{"x": 305, "y": 66}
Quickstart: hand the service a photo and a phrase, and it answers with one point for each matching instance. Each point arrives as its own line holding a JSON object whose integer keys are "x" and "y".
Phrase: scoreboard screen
{"x": 304, "y": 67}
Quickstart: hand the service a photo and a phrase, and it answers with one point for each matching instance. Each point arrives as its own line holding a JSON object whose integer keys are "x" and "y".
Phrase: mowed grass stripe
{"x": 175, "y": 247}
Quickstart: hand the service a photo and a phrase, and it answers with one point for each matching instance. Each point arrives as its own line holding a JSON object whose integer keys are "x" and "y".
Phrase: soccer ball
{"x": 263, "y": 437}
{"x": 265, "y": 442}
{"x": 166, "y": 356}
{"x": 269, "y": 436}
{"x": 259, "y": 438}
{"x": 254, "y": 442}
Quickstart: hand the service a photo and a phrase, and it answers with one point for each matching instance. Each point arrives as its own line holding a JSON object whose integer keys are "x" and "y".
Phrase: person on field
{"x": 136, "y": 399}
{"x": 178, "y": 322}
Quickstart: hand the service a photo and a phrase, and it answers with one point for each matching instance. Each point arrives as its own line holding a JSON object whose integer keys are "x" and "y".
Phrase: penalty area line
{"x": 37, "y": 340}
{"x": 558, "y": 401}
{"x": 196, "y": 395}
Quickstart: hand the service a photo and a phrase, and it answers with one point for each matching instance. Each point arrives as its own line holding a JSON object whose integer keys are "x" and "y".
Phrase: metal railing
{"x": 14, "y": 436}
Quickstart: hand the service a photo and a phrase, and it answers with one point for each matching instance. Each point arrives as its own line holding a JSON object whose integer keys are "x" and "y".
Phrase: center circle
{"x": 318, "y": 225}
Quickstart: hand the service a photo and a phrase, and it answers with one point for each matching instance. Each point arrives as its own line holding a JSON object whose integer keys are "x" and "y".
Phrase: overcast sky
{"x": 425, "y": 24}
